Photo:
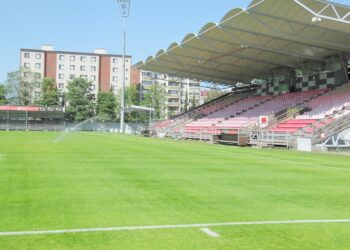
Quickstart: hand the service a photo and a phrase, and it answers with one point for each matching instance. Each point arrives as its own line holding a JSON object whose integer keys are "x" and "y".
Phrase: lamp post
{"x": 124, "y": 6}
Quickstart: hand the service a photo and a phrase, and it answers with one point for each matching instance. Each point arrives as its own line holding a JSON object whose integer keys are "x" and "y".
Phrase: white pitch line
{"x": 302, "y": 163}
{"x": 287, "y": 161}
{"x": 210, "y": 232}
{"x": 134, "y": 228}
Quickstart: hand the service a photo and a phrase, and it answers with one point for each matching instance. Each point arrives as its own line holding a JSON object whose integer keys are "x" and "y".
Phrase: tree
{"x": 156, "y": 98}
{"x": 193, "y": 101}
{"x": 2, "y": 95}
{"x": 213, "y": 94}
{"x": 12, "y": 87}
{"x": 186, "y": 101}
{"x": 131, "y": 95}
{"x": 131, "y": 99}
{"x": 80, "y": 100}
{"x": 50, "y": 95}
{"x": 19, "y": 92}
{"x": 106, "y": 106}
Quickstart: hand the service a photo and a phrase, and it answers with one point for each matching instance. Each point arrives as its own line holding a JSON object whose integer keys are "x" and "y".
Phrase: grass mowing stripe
{"x": 205, "y": 225}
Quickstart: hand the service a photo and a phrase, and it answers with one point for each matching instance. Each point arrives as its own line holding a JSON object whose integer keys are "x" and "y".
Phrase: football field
{"x": 107, "y": 191}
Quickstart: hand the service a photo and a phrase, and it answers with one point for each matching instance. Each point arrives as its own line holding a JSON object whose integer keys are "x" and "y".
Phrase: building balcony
{"x": 173, "y": 104}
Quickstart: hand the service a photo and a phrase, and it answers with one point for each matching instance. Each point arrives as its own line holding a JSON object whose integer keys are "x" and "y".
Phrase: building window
{"x": 93, "y": 68}
{"x": 72, "y": 76}
{"x": 72, "y": 67}
{"x": 37, "y": 75}
{"x": 83, "y": 58}
{"x": 173, "y": 92}
{"x": 92, "y": 78}
{"x": 26, "y": 65}
{"x": 115, "y": 60}
{"x": 61, "y": 57}
{"x": 93, "y": 87}
{"x": 61, "y": 85}
{"x": 26, "y": 74}
{"x": 82, "y": 68}
{"x": 37, "y": 94}
{"x": 173, "y": 84}
{"x": 38, "y": 85}
{"x": 115, "y": 87}
{"x": 115, "y": 70}
{"x": 61, "y": 76}
{"x": 146, "y": 73}
{"x": 61, "y": 67}
{"x": 26, "y": 55}
{"x": 37, "y": 65}
{"x": 115, "y": 79}
{"x": 38, "y": 56}
{"x": 93, "y": 59}
{"x": 147, "y": 83}
{"x": 72, "y": 58}
{"x": 127, "y": 60}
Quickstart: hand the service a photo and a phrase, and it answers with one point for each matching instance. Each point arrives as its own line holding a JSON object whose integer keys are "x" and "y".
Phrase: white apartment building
{"x": 179, "y": 91}
{"x": 105, "y": 71}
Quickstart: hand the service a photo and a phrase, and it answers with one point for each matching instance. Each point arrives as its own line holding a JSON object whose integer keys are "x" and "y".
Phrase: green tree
{"x": 2, "y": 95}
{"x": 131, "y": 95}
{"x": 12, "y": 87}
{"x": 193, "y": 101}
{"x": 20, "y": 92}
{"x": 186, "y": 101}
{"x": 156, "y": 98}
{"x": 213, "y": 94}
{"x": 50, "y": 95}
{"x": 131, "y": 99}
{"x": 106, "y": 106}
{"x": 80, "y": 100}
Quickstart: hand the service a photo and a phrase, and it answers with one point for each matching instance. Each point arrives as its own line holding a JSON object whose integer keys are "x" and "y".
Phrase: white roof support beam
{"x": 320, "y": 15}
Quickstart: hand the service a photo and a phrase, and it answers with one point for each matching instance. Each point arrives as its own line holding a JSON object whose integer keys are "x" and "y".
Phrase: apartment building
{"x": 105, "y": 71}
{"x": 181, "y": 93}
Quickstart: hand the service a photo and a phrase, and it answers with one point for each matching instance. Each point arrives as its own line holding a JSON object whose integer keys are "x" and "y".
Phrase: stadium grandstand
{"x": 32, "y": 118}
{"x": 292, "y": 59}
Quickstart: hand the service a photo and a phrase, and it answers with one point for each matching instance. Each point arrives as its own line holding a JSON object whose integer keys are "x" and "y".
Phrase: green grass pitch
{"x": 90, "y": 180}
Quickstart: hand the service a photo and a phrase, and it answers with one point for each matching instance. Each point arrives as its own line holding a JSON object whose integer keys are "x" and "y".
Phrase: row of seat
{"x": 321, "y": 108}
{"x": 246, "y": 112}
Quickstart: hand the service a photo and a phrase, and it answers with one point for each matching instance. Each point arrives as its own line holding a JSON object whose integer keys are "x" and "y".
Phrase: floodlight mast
{"x": 124, "y": 6}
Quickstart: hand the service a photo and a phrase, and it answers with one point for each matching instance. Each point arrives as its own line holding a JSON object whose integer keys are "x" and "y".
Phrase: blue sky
{"x": 83, "y": 25}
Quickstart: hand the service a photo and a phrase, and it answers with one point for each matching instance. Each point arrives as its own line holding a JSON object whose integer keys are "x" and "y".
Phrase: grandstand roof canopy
{"x": 250, "y": 44}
